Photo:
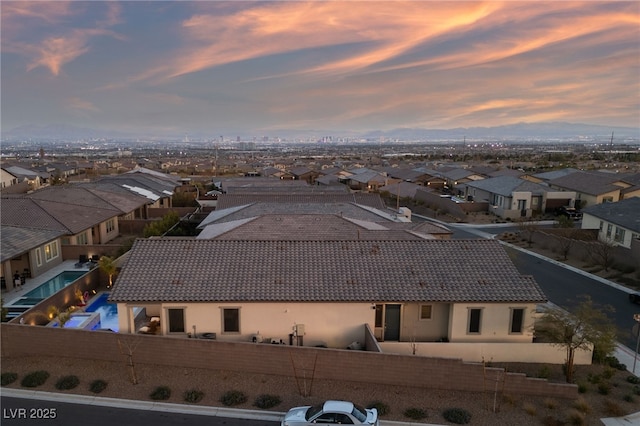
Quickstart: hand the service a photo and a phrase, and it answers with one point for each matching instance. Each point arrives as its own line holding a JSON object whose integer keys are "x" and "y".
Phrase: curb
{"x": 271, "y": 416}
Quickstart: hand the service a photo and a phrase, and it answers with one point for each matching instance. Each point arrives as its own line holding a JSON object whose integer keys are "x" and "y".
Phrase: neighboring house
{"x": 367, "y": 180}
{"x": 304, "y": 173}
{"x": 312, "y": 227}
{"x": 31, "y": 178}
{"x": 512, "y": 197}
{"x": 328, "y": 292}
{"x": 596, "y": 187}
{"x": 7, "y": 178}
{"x": 30, "y": 251}
{"x": 457, "y": 177}
{"x": 617, "y": 222}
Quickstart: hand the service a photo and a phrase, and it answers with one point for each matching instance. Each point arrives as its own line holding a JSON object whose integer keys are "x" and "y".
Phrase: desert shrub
{"x": 160, "y": 393}
{"x": 509, "y": 399}
{"x": 233, "y": 397}
{"x": 381, "y": 407}
{"x": 628, "y": 398}
{"x": 636, "y": 390}
{"x": 604, "y": 388}
{"x": 550, "y": 403}
{"x": 633, "y": 379}
{"x": 415, "y": 413}
{"x": 97, "y": 386}
{"x": 529, "y": 408}
{"x": 35, "y": 379}
{"x": 581, "y": 405}
{"x": 544, "y": 372}
{"x": 67, "y": 382}
{"x": 552, "y": 421}
{"x": 608, "y": 373}
{"x": 8, "y": 378}
{"x": 612, "y": 408}
{"x": 582, "y": 388}
{"x": 459, "y": 416}
{"x": 575, "y": 417}
{"x": 613, "y": 362}
{"x": 266, "y": 401}
{"x": 193, "y": 395}
{"x": 594, "y": 378}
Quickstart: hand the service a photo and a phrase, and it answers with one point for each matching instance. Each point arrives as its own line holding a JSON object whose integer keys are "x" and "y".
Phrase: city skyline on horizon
{"x": 202, "y": 66}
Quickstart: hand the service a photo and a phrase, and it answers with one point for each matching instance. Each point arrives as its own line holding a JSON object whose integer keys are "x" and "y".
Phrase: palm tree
{"x": 108, "y": 266}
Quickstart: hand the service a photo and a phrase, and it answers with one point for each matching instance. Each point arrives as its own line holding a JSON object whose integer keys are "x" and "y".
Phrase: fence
{"x": 259, "y": 358}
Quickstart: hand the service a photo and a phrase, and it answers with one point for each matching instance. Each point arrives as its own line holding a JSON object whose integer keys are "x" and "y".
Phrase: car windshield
{"x": 312, "y": 411}
{"x": 359, "y": 413}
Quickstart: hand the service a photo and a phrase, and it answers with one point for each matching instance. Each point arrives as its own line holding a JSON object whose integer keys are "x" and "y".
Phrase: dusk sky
{"x": 222, "y": 67}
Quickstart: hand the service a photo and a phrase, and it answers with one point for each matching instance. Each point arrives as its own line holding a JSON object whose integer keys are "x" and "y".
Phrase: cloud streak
{"x": 337, "y": 64}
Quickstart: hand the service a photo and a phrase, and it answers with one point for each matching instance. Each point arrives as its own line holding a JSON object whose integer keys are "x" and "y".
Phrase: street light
{"x": 636, "y": 330}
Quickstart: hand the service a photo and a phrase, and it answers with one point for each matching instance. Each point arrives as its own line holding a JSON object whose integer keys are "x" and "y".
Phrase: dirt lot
{"x": 607, "y": 392}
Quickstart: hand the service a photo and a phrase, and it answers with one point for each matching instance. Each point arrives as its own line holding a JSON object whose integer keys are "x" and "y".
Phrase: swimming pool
{"x": 108, "y": 312}
{"x": 83, "y": 320}
{"x": 48, "y": 288}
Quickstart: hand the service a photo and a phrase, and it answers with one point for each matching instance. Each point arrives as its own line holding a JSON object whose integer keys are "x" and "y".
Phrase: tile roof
{"x": 15, "y": 241}
{"x": 506, "y": 185}
{"x": 624, "y": 213}
{"x": 314, "y": 227}
{"x": 592, "y": 183}
{"x": 190, "y": 270}
{"x": 295, "y": 198}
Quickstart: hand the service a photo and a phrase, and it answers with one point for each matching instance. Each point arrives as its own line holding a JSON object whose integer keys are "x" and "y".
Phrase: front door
{"x": 391, "y": 322}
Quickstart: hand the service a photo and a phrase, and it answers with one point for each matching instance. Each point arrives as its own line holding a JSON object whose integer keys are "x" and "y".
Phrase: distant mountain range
{"x": 519, "y": 131}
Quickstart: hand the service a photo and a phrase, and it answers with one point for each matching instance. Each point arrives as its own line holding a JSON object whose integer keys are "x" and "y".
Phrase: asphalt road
{"x": 27, "y": 412}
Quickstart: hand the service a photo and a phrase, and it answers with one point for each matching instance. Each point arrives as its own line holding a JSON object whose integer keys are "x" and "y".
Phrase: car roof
{"x": 338, "y": 406}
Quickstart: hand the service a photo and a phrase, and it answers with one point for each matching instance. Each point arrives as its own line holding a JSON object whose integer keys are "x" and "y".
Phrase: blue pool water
{"x": 108, "y": 312}
{"x": 50, "y": 287}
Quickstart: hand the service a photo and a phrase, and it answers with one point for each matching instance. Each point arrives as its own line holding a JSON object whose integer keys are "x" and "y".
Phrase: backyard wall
{"x": 327, "y": 364}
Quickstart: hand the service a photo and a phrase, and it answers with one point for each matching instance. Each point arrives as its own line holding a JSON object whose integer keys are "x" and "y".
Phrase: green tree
{"x": 585, "y": 326}
{"x": 160, "y": 227}
{"x": 108, "y": 266}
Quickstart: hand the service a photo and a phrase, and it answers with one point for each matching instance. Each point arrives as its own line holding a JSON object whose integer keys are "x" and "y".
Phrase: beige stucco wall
{"x": 495, "y": 322}
{"x": 271, "y": 320}
{"x": 489, "y": 352}
{"x": 592, "y": 222}
{"x": 412, "y": 328}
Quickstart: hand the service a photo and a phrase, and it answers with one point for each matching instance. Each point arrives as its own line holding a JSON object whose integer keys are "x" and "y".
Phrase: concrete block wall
{"x": 281, "y": 360}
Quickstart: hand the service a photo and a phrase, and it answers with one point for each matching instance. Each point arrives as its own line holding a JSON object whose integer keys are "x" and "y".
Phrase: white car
{"x": 331, "y": 413}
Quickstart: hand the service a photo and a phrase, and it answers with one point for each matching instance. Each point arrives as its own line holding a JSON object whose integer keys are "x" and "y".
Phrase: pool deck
{"x": 13, "y": 295}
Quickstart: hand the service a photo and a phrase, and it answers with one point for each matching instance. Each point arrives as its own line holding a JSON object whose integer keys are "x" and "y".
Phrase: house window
{"x": 51, "y": 251}
{"x": 608, "y": 199}
{"x": 378, "y": 316}
{"x": 609, "y": 227}
{"x": 231, "y": 320}
{"x": 425, "y": 312}
{"x": 110, "y": 225}
{"x": 619, "y": 235}
{"x": 601, "y": 227}
{"x": 517, "y": 320}
{"x": 475, "y": 315}
{"x": 81, "y": 239}
{"x": 176, "y": 320}
{"x": 38, "y": 257}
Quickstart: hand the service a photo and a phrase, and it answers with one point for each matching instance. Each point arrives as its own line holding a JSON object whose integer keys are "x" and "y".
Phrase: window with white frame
{"x": 619, "y": 235}
{"x": 609, "y": 228}
{"x": 82, "y": 239}
{"x": 111, "y": 225}
{"x": 51, "y": 251}
{"x": 38, "y": 257}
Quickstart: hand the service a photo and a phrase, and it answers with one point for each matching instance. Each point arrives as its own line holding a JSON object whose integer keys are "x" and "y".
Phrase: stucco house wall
{"x": 495, "y": 323}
